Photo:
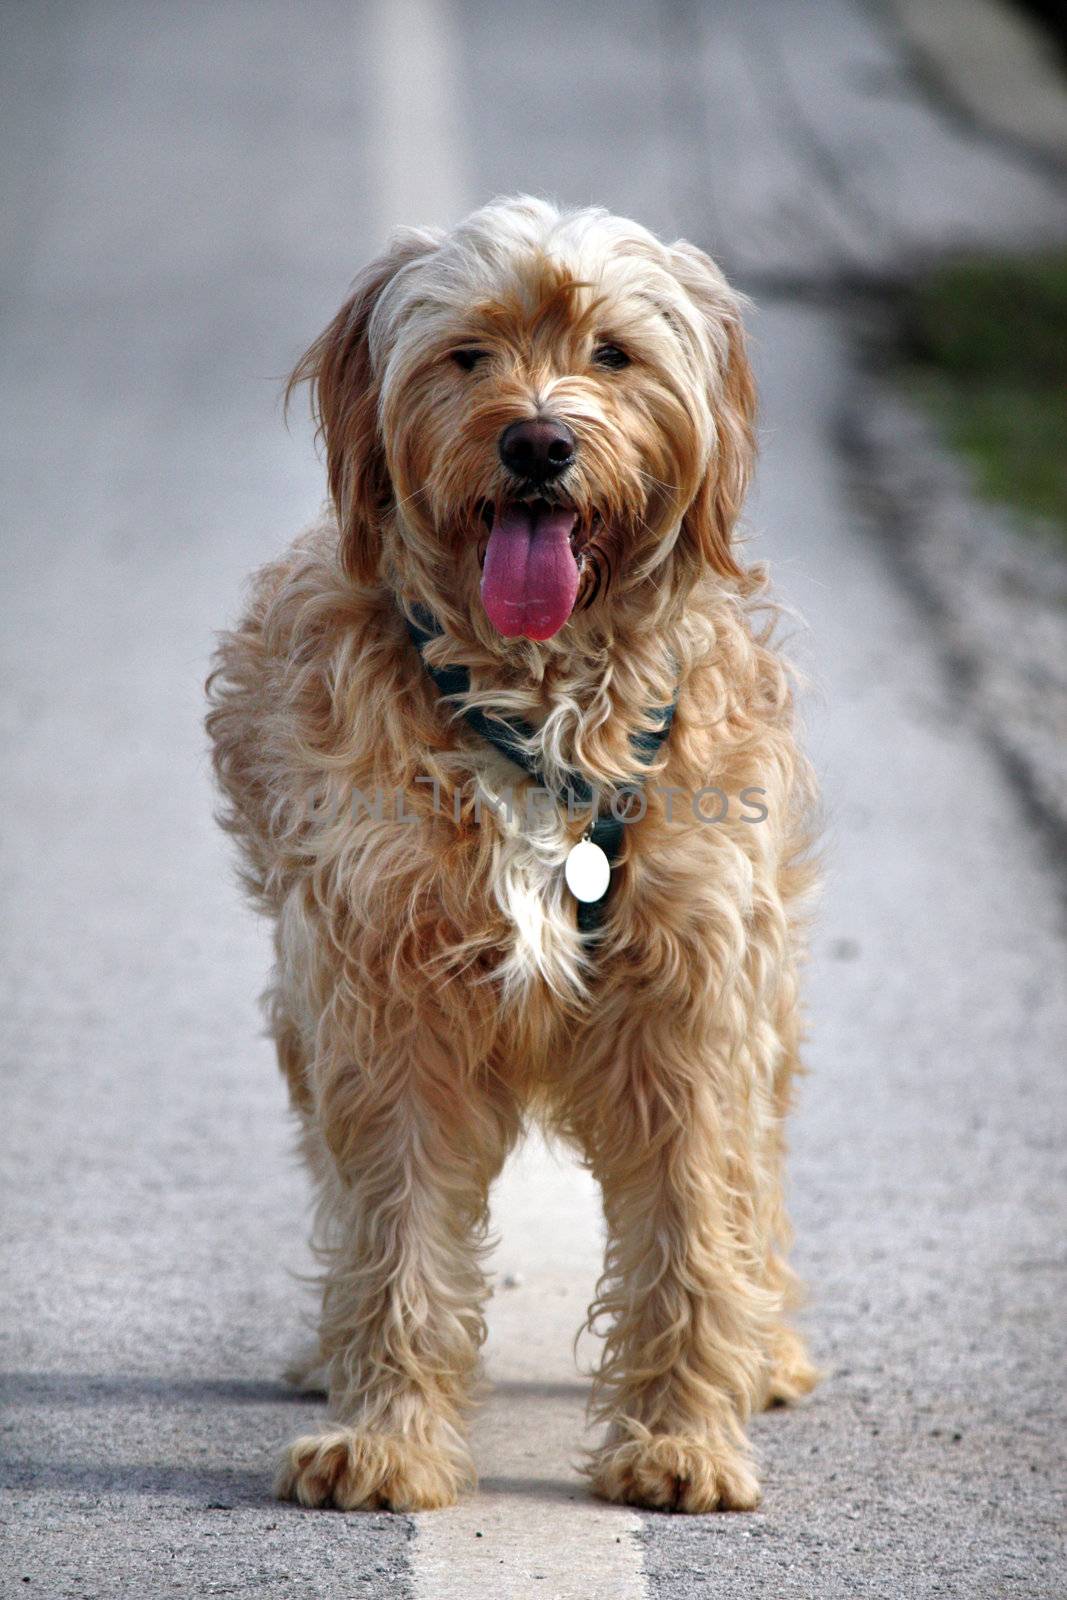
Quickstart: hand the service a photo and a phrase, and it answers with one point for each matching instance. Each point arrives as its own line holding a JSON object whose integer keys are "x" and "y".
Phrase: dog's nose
{"x": 538, "y": 450}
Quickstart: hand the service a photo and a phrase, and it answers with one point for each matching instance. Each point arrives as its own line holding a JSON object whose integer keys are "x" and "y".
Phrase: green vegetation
{"x": 986, "y": 343}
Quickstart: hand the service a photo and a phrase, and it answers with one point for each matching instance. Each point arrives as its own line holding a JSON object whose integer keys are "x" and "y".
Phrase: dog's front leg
{"x": 687, "y": 1313}
{"x": 412, "y": 1148}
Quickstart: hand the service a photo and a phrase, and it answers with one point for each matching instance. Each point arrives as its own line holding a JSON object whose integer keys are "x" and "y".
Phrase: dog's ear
{"x": 708, "y": 526}
{"x": 340, "y": 370}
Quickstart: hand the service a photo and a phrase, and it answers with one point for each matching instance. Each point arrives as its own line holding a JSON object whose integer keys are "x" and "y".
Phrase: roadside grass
{"x": 985, "y": 347}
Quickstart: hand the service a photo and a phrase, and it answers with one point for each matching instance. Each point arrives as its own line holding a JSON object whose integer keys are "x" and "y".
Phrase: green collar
{"x": 509, "y": 736}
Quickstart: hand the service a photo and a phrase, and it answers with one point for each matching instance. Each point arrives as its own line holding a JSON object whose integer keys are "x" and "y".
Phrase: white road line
{"x": 533, "y": 1529}
{"x": 414, "y": 135}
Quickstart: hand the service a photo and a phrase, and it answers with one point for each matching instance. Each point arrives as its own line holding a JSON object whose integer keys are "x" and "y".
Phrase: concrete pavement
{"x": 191, "y": 190}
{"x": 996, "y": 65}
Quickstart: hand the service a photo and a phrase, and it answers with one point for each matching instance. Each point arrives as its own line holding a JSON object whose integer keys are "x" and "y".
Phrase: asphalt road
{"x": 190, "y": 190}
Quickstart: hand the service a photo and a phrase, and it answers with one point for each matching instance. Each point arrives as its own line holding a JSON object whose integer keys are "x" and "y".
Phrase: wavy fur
{"x": 431, "y": 991}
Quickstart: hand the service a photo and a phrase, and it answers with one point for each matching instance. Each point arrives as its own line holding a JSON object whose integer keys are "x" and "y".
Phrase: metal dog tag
{"x": 587, "y": 871}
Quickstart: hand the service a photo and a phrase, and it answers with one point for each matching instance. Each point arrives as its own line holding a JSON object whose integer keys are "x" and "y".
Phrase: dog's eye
{"x": 610, "y": 356}
{"x": 468, "y": 359}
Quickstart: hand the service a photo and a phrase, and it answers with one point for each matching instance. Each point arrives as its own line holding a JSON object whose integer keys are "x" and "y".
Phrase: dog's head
{"x": 535, "y": 416}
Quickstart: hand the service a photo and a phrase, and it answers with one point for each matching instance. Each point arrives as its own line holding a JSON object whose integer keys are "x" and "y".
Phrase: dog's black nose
{"x": 538, "y": 450}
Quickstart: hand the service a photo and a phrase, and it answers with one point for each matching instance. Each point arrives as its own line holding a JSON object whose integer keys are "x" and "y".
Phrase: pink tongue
{"x": 530, "y": 577}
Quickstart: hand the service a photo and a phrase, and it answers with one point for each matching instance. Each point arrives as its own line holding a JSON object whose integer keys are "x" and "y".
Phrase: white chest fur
{"x": 530, "y": 886}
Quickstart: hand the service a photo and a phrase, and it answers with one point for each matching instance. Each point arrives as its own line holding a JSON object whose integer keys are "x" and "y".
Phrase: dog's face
{"x": 535, "y": 416}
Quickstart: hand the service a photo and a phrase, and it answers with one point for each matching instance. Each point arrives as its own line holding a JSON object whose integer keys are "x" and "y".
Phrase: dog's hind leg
{"x": 790, "y": 1374}
{"x": 413, "y": 1144}
{"x": 306, "y": 1367}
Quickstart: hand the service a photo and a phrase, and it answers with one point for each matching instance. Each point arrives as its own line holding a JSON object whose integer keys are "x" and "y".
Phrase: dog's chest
{"x": 531, "y": 839}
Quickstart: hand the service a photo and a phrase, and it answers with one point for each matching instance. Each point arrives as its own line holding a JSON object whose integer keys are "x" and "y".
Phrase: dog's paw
{"x": 672, "y": 1472}
{"x": 792, "y": 1375}
{"x": 357, "y": 1471}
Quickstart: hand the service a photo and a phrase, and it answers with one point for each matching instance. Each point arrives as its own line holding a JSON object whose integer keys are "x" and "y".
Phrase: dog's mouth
{"x": 532, "y": 565}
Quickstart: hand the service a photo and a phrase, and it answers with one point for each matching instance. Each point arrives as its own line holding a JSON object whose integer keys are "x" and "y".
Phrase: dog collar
{"x": 589, "y": 865}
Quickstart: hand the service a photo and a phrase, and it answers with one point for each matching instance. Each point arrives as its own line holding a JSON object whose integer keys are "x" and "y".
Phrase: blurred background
{"x": 189, "y": 189}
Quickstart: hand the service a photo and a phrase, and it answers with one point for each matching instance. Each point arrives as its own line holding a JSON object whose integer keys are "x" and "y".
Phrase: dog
{"x": 527, "y": 585}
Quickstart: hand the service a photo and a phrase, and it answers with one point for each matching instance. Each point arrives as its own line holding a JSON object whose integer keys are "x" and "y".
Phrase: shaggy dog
{"x": 538, "y": 430}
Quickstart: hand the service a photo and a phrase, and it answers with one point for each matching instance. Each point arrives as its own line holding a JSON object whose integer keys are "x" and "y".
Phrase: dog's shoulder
{"x": 298, "y": 603}
{"x": 284, "y": 695}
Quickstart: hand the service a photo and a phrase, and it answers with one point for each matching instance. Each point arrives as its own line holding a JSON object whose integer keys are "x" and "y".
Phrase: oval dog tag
{"x": 587, "y": 871}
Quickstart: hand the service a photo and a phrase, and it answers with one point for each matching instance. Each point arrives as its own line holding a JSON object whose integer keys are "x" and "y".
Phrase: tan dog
{"x": 539, "y": 433}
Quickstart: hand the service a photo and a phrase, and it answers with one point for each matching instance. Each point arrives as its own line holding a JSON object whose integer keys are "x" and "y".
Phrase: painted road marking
{"x": 541, "y": 1531}
{"x": 533, "y": 1528}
